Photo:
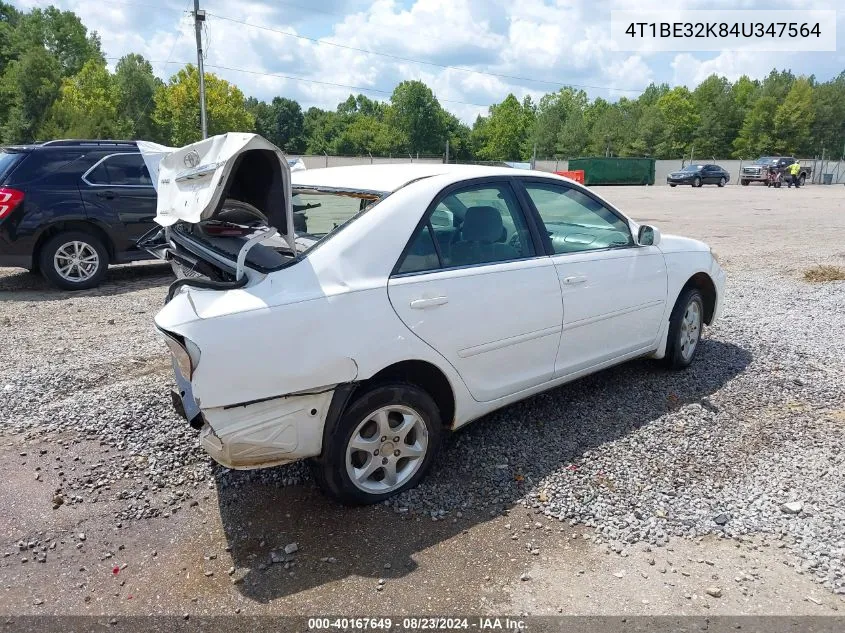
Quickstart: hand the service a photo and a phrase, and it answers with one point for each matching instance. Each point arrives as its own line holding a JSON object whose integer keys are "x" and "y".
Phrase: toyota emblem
{"x": 192, "y": 159}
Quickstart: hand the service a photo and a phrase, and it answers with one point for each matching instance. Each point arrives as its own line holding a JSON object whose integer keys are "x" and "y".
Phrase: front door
{"x": 614, "y": 292}
{"x": 118, "y": 190}
{"x": 481, "y": 292}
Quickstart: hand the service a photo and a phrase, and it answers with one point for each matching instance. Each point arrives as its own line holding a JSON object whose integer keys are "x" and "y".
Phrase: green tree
{"x": 681, "y": 120}
{"x": 506, "y": 131}
{"x": 608, "y": 133}
{"x": 828, "y": 127}
{"x": 365, "y": 135}
{"x": 650, "y": 133}
{"x": 719, "y": 117}
{"x": 136, "y": 87}
{"x": 460, "y": 137}
{"x": 177, "y": 109}
{"x": 282, "y": 123}
{"x": 29, "y": 87}
{"x": 415, "y": 117}
{"x": 87, "y": 106}
{"x": 553, "y": 112}
{"x": 9, "y": 18}
{"x": 362, "y": 105}
{"x": 573, "y": 138}
{"x": 322, "y": 129}
{"x": 794, "y": 119}
{"x": 755, "y": 137}
{"x": 63, "y": 35}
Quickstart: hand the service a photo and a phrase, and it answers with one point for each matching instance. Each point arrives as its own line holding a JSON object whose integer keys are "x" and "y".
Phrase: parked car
{"x": 758, "y": 171}
{"x": 698, "y": 175}
{"x": 70, "y": 208}
{"x": 422, "y": 297}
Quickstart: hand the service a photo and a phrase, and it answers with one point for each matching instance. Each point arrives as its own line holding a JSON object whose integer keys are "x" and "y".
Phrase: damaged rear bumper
{"x": 259, "y": 434}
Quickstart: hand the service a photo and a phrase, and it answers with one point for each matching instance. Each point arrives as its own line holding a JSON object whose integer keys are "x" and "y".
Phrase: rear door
{"x": 118, "y": 190}
{"x": 481, "y": 292}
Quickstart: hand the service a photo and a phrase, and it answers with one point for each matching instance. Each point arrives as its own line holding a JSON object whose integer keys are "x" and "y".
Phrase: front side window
{"x": 121, "y": 170}
{"x": 480, "y": 224}
{"x": 575, "y": 222}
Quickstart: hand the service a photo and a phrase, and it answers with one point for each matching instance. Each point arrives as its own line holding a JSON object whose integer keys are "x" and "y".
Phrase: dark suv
{"x": 70, "y": 208}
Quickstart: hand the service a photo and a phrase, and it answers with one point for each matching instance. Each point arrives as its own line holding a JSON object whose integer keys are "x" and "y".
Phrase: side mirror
{"x": 648, "y": 236}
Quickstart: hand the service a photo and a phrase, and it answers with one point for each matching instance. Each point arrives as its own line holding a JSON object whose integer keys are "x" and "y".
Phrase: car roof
{"x": 390, "y": 177}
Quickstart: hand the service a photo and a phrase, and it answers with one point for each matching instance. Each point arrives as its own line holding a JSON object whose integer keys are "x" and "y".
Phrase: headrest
{"x": 482, "y": 224}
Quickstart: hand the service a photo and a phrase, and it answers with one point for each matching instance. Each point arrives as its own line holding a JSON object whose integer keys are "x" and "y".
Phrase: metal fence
{"x": 834, "y": 168}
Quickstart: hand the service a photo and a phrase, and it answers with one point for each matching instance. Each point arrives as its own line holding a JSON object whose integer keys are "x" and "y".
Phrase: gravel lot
{"x": 744, "y": 449}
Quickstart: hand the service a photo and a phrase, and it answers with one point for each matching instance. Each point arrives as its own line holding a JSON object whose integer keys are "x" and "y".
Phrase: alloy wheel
{"x": 690, "y": 330}
{"x": 386, "y": 449}
{"x": 76, "y": 261}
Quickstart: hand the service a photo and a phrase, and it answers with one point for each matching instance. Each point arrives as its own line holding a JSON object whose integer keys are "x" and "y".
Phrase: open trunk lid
{"x": 196, "y": 182}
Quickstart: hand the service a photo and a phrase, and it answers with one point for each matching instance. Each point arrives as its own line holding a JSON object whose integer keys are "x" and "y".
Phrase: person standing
{"x": 794, "y": 169}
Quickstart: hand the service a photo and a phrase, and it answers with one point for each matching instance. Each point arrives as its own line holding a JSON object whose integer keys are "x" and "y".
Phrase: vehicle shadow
{"x": 500, "y": 459}
{"x": 26, "y": 286}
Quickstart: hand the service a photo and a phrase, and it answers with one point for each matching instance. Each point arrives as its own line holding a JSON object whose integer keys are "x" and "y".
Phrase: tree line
{"x": 56, "y": 84}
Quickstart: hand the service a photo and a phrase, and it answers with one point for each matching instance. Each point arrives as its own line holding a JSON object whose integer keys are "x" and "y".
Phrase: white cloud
{"x": 523, "y": 44}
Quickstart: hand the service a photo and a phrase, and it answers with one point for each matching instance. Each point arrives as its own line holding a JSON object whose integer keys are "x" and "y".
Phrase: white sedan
{"x": 356, "y": 314}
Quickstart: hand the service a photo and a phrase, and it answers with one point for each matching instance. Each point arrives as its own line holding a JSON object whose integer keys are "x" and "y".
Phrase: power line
{"x": 416, "y": 61}
{"x": 304, "y": 79}
{"x": 370, "y": 52}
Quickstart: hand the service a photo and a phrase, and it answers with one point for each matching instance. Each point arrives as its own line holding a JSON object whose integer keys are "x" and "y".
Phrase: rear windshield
{"x": 8, "y": 160}
{"x": 315, "y": 215}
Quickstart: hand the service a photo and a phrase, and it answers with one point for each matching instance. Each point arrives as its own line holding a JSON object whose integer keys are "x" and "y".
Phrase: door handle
{"x": 108, "y": 195}
{"x": 433, "y": 302}
{"x": 576, "y": 279}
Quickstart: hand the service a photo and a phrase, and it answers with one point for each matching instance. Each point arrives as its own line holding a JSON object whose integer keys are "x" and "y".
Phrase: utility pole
{"x": 199, "y": 18}
{"x": 447, "y": 151}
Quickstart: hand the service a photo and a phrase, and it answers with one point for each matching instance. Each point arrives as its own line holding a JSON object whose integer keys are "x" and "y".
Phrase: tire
{"x": 696, "y": 182}
{"x": 743, "y": 182}
{"x": 398, "y": 402}
{"x": 672, "y": 185}
{"x": 88, "y": 274}
{"x": 240, "y": 213}
{"x": 722, "y": 181}
{"x": 678, "y": 353}
{"x": 802, "y": 179}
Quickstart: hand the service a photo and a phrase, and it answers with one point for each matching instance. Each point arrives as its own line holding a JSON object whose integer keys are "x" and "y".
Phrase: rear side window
{"x": 120, "y": 170}
{"x": 55, "y": 167}
{"x": 8, "y": 161}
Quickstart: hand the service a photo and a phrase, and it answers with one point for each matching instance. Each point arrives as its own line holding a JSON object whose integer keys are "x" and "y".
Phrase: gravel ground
{"x": 746, "y": 443}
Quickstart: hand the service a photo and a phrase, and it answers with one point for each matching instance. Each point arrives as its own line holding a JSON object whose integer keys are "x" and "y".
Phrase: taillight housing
{"x": 9, "y": 199}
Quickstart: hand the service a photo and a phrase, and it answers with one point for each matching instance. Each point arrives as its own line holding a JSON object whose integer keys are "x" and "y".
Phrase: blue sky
{"x": 525, "y": 46}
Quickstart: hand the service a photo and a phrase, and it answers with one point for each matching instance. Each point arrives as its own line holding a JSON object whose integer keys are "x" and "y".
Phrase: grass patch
{"x": 822, "y": 273}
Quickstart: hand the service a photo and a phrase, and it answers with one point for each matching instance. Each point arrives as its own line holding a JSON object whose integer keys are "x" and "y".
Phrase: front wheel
{"x": 383, "y": 444}
{"x": 672, "y": 185}
{"x": 743, "y": 182}
{"x": 685, "y": 325}
{"x": 74, "y": 260}
{"x": 802, "y": 179}
{"x": 696, "y": 182}
{"x": 722, "y": 181}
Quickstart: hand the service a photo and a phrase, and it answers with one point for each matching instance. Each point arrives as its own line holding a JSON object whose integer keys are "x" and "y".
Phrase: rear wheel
{"x": 685, "y": 326}
{"x": 384, "y": 443}
{"x": 801, "y": 179}
{"x": 74, "y": 260}
{"x": 672, "y": 185}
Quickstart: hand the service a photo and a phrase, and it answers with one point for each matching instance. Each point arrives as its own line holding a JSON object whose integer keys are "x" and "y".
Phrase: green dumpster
{"x": 615, "y": 171}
